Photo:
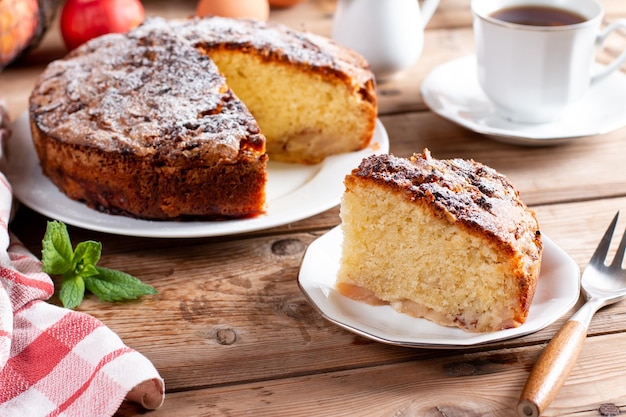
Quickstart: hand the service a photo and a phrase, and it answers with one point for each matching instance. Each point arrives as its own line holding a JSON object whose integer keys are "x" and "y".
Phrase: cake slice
{"x": 446, "y": 240}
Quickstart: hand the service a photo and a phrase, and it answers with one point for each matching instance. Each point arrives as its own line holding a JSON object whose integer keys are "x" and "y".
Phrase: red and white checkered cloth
{"x": 55, "y": 361}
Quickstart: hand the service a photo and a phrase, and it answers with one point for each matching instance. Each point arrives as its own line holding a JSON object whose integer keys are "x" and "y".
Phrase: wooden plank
{"x": 402, "y": 93}
{"x": 475, "y": 384}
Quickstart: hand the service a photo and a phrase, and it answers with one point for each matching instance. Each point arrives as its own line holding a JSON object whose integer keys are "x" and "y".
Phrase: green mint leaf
{"x": 112, "y": 285}
{"x": 79, "y": 271}
{"x": 86, "y": 256}
{"x": 57, "y": 253}
{"x": 72, "y": 291}
{"x": 88, "y": 271}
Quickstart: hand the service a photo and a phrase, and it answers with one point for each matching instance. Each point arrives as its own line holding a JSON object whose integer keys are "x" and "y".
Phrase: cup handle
{"x": 428, "y": 9}
{"x": 617, "y": 62}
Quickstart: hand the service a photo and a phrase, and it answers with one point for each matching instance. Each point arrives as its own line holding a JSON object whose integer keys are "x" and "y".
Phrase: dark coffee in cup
{"x": 533, "y": 15}
{"x": 533, "y": 74}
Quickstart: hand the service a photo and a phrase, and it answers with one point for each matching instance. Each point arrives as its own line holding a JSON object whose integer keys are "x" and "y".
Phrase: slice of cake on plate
{"x": 446, "y": 240}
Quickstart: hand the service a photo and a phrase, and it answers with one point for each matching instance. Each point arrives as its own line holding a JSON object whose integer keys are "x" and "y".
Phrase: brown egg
{"x": 284, "y": 3}
{"x": 250, "y": 9}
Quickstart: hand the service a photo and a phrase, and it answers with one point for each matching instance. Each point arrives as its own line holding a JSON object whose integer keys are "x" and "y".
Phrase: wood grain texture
{"x": 463, "y": 384}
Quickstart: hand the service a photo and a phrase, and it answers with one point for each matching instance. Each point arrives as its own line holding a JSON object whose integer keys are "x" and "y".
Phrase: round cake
{"x": 146, "y": 125}
{"x": 447, "y": 240}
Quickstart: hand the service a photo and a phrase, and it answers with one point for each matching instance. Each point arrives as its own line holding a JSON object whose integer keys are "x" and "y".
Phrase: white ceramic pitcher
{"x": 388, "y": 33}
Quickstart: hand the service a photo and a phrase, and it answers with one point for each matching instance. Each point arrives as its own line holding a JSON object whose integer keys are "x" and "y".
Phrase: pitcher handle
{"x": 428, "y": 9}
{"x": 617, "y": 62}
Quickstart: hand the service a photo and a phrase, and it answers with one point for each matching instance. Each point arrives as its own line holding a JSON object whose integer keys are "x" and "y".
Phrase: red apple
{"x": 82, "y": 20}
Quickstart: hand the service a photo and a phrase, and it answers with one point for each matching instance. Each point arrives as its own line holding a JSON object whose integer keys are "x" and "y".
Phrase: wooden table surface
{"x": 232, "y": 334}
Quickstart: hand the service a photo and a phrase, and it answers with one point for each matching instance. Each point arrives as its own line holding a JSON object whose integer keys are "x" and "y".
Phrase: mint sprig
{"x": 79, "y": 272}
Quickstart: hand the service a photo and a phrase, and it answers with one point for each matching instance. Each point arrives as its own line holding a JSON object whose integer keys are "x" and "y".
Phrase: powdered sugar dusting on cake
{"x": 273, "y": 39}
{"x": 144, "y": 95}
{"x": 153, "y": 91}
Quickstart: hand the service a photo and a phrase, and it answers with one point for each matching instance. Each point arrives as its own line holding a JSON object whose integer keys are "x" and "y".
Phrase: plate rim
{"x": 176, "y": 229}
{"x": 475, "y": 339}
{"x": 522, "y": 137}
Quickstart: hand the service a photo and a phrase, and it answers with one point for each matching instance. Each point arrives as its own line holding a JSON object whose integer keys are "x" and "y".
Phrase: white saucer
{"x": 557, "y": 292}
{"x": 452, "y": 91}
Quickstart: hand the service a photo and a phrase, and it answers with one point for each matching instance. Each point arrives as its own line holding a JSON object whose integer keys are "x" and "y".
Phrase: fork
{"x": 602, "y": 285}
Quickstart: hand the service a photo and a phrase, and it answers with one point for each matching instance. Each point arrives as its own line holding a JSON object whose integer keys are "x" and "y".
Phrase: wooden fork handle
{"x": 551, "y": 369}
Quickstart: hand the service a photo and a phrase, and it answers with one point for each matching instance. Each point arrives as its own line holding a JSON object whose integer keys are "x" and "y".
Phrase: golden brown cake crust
{"x": 131, "y": 124}
{"x": 467, "y": 193}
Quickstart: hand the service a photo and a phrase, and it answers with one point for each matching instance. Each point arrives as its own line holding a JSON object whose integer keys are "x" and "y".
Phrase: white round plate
{"x": 294, "y": 192}
{"x": 452, "y": 91}
{"x": 557, "y": 292}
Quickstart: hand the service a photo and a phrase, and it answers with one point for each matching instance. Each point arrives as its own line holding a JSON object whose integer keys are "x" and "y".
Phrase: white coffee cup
{"x": 388, "y": 33}
{"x": 533, "y": 73}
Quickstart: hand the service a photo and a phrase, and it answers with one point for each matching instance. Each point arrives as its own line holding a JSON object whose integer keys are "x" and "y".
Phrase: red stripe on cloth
{"x": 104, "y": 361}
{"x": 46, "y": 350}
{"x": 73, "y": 328}
{"x": 24, "y": 280}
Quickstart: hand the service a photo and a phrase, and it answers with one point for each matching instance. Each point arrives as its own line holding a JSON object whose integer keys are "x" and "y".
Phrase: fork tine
{"x": 599, "y": 256}
{"x": 619, "y": 255}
